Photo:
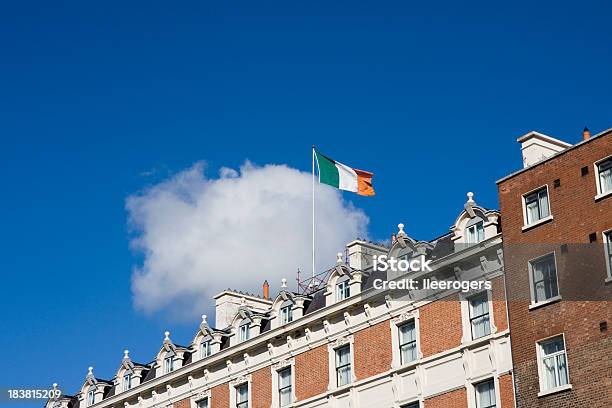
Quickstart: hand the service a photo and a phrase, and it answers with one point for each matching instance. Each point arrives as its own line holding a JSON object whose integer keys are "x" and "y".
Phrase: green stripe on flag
{"x": 328, "y": 172}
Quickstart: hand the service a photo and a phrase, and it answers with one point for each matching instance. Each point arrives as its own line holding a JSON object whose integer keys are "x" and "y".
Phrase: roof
{"x": 600, "y": 134}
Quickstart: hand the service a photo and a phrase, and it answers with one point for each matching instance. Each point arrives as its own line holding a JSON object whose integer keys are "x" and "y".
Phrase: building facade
{"x": 346, "y": 342}
{"x": 557, "y": 239}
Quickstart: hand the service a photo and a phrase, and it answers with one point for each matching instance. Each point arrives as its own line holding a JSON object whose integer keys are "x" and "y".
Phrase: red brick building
{"x": 557, "y": 226}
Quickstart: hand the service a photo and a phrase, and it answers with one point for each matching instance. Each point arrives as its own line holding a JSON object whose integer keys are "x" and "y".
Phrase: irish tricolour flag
{"x": 344, "y": 177}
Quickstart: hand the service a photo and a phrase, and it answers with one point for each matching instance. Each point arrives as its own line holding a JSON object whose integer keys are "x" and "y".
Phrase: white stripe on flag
{"x": 348, "y": 178}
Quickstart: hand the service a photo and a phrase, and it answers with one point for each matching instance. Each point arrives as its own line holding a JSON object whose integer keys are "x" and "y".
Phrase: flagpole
{"x": 313, "y": 213}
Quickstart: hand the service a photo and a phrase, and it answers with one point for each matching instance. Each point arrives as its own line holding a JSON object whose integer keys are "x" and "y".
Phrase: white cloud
{"x": 200, "y": 235}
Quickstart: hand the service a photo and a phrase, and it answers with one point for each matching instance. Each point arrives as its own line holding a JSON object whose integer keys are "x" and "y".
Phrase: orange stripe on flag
{"x": 364, "y": 183}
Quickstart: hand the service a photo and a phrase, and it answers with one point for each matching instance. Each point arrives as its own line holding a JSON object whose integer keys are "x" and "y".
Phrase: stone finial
{"x": 90, "y": 371}
{"x": 339, "y": 258}
{"x": 470, "y": 198}
{"x": 126, "y": 354}
{"x": 243, "y": 301}
{"x": 283, "y": 283}
{"x": 204, "y": 319}
{"x": 166, "y": 335}
{"x": 54, "y": 386}
{"x": 401, "y": 230}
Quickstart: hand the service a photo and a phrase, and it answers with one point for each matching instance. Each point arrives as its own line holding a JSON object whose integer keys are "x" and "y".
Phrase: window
{"x": 203, "y": 403}
{"x": 342, "y": 290}
{"x": 245, "y": 332}
{"x": 411, "y": 405}
{"x": 242, "y": 396}
{"x": 604, "y": 176}
{"x": 407, "y": 342}
{"x": 544, "y": 279}
{"x": 284, "y": 387}
{"x": 168, "y": 364}
{"x": 475, "y": 233}
{"x": 608, "y": 244}
{"x": 485, "y": 394}
{"x": 479, "y": 316}
{"x": 286, "y": 315}
{"x": 553, "y": 364}
{"x": 343, "y": 365}
{"x": 536, "y": 206}
{"x": 204, "y": 348}
{"x": 91, "y": 397}
{"x": 127, "y": 381}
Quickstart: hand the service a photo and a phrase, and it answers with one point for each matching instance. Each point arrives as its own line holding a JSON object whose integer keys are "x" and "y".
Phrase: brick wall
{"x": 184, "y": 403}
{"x": 499, "y": 303}
{"x": 452, "y": 399}
{"x": 437, "y": 337}
{"x": 311, "y": 373}
{"x": 219, "y": 396}
{"x": 506, "y": 392}
{"x": 262, "y": 388}
{"x": 373, "y": 350}
{"x": 581, "y": 274}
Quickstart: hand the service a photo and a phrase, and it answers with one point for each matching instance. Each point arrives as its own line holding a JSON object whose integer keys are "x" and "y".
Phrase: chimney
{"x": 266, "y": 290}
{"x": 586, "y": 133}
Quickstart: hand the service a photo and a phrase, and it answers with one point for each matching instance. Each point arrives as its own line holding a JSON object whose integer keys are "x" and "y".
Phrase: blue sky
{"x": 101, "y": 100}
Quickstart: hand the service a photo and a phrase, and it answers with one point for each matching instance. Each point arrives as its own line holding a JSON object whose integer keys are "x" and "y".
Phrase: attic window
{"x": 245, "y": 331}
{"x": 168, "y": 365}
{"x": 91, "y": 397}
{"x": 286, "y": 314}
{"x": 204, "y": 348}
{"x": 127, "y": 381}
{"x": 475, "y": 233}
{"x": 343, "y": 290}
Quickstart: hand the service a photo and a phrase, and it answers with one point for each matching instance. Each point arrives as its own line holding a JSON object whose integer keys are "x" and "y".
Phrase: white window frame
{"x": 201, "y": 396}
{"x": 607, "y": 240}
{"x": 486, "y": 296}
{"x": 126, "y": 382}
{"x": 244, "y": 332}
{"x": 332, "y": 348}
{"x": 475, "y": 228}
{"x": 600, "y": 194}
{"x": 466, "y": 316}
{"x": 91, "y": 396}
{"x": 199, "y": 401}
{"x": 534, "y": 303}
{"x": 168, "y": 364}
{"x": 396, "y": 323}
{"x": 205, "y": 350}
{"x": 288, "y": 316}
{"x": 343, "y": 292}
{"x": 527, "y": 225}
{"x": 275, "y": 370}
{"x": 410, "y": 404}
{"x": 540, "y": 357}
{"x": 233, "y": 390}
{"x": 476, "y": 395}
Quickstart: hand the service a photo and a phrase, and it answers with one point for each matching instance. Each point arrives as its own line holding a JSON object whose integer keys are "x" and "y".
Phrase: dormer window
{"x": 205, "y": 348}
{"x": 475, "y": 233}
{"x": 245, "y": 331}
{"x": 127, "y": 381}
{"x": 286, "y": 314}
{"x": 343, "y": 290}
{"x": 91, "y": 397}
{"x": 168, "y": 365}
